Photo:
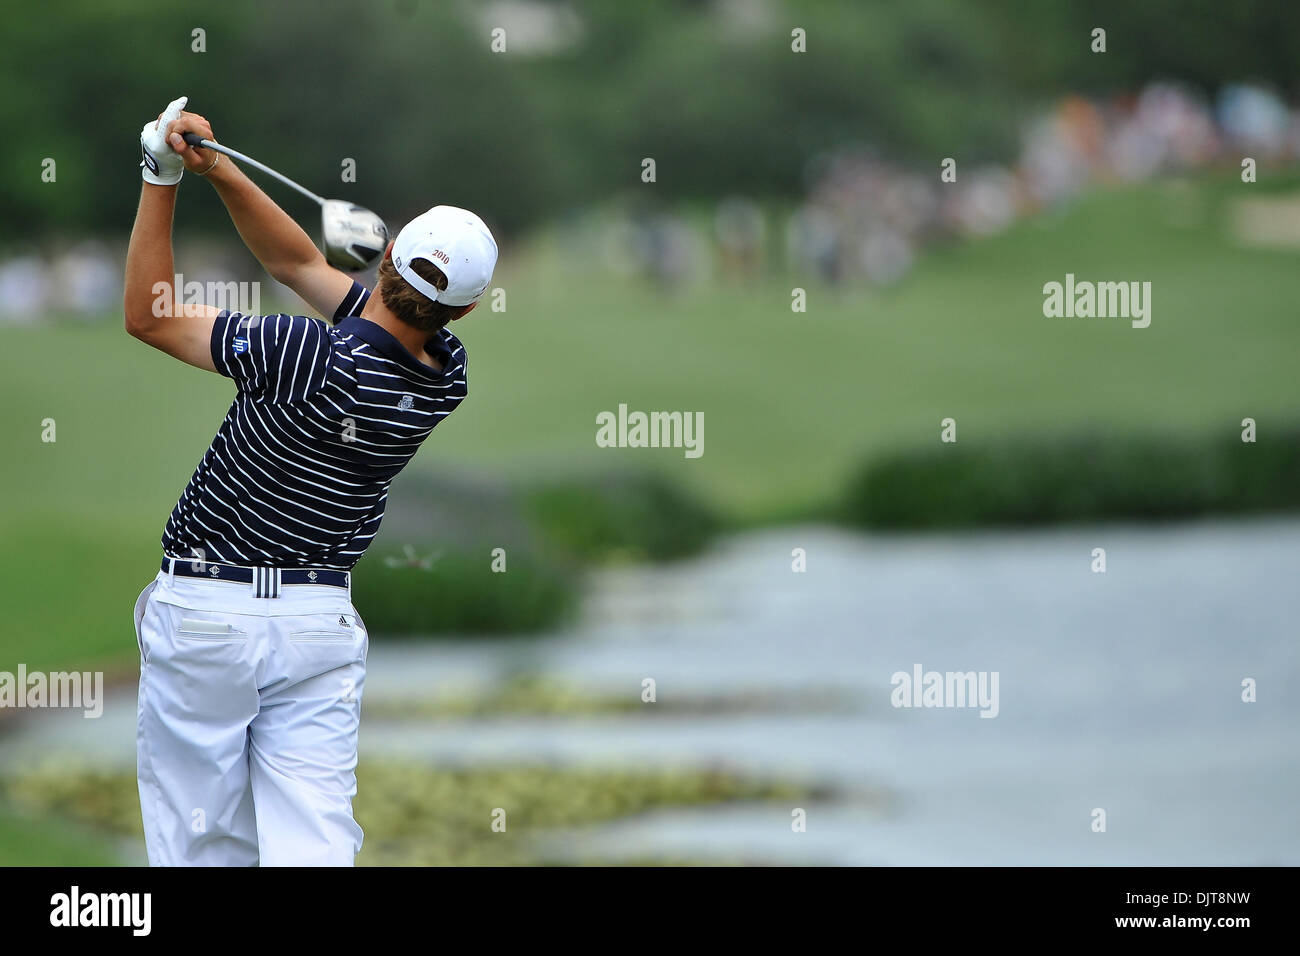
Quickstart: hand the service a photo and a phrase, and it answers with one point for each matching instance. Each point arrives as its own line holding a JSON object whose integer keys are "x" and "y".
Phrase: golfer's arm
{"x": 279, "y": 243}
{"x": 153, "y": 308}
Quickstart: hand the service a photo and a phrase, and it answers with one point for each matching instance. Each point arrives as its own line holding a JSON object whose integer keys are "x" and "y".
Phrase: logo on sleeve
{"x": 240, "y": 345}
{"x": 406, "y": 402}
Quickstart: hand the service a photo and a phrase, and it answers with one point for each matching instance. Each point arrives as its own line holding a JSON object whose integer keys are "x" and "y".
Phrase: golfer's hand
{"x": 196, "y": 159}
{"x": 159, "y": 163}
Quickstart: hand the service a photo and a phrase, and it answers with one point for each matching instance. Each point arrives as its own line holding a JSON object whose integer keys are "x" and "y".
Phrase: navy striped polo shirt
{"x": 323, "y": 420}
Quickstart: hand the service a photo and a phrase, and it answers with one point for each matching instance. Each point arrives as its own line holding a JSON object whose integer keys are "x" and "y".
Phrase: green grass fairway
{"x": 28, "y": 841}
{"x": 791, "y": 401}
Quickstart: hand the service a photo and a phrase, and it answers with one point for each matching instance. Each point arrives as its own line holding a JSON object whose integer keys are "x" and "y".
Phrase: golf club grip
{"x": 193, "y": 139}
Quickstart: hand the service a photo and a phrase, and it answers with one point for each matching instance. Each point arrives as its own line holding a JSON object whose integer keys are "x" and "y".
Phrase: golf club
{"x": 353, "y": 236}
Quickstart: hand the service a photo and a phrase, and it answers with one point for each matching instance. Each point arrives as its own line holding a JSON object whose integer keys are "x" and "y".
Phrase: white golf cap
{"x": 457, "y": 242}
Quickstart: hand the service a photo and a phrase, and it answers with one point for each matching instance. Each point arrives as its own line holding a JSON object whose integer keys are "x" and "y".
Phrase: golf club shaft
{"x": 194, "y": 140}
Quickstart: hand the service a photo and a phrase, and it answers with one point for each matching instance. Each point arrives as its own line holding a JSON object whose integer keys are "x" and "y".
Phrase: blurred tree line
{"x": 412, "y": 90}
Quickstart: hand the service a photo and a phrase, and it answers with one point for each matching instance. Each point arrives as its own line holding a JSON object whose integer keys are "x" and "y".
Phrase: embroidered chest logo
{"x": 407, "y": 402}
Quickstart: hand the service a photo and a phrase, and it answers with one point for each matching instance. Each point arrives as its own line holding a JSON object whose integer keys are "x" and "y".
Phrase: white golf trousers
{"x": 246, "y": 742}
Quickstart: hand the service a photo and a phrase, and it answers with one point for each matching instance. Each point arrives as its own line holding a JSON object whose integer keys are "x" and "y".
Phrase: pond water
{"x": 1119, "y": 690}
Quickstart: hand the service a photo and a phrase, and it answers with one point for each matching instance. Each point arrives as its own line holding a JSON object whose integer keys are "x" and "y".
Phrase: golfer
{"x": 252, "y": 657}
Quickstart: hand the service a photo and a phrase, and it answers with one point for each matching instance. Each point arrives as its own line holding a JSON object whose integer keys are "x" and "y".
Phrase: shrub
{"x": 620, "y": 517}
{"x": 458, "y": 592}
{"x": 1044, "y": 480}
{"x": 429, "y": 571}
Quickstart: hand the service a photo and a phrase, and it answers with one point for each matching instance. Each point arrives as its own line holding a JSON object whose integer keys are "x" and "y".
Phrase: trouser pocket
{"x": 198, "y": 629}
{"x": 327, "y": 635}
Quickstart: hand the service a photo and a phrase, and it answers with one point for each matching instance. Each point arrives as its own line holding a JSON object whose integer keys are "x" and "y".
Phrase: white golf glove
{"x": 160, "y": 164}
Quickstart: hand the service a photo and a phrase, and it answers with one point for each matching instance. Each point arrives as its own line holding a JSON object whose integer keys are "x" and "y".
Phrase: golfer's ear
{"x": 388, "y": 251}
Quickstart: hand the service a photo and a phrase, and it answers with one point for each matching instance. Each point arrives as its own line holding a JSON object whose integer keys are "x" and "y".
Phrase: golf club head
{"x": 354, "y": 237}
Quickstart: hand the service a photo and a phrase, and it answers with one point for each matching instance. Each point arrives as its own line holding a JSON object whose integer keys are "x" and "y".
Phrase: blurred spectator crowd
{"x": 866, "y": 218}
{"x": 83, "y": 279}
{"x": 863, "y": 217}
